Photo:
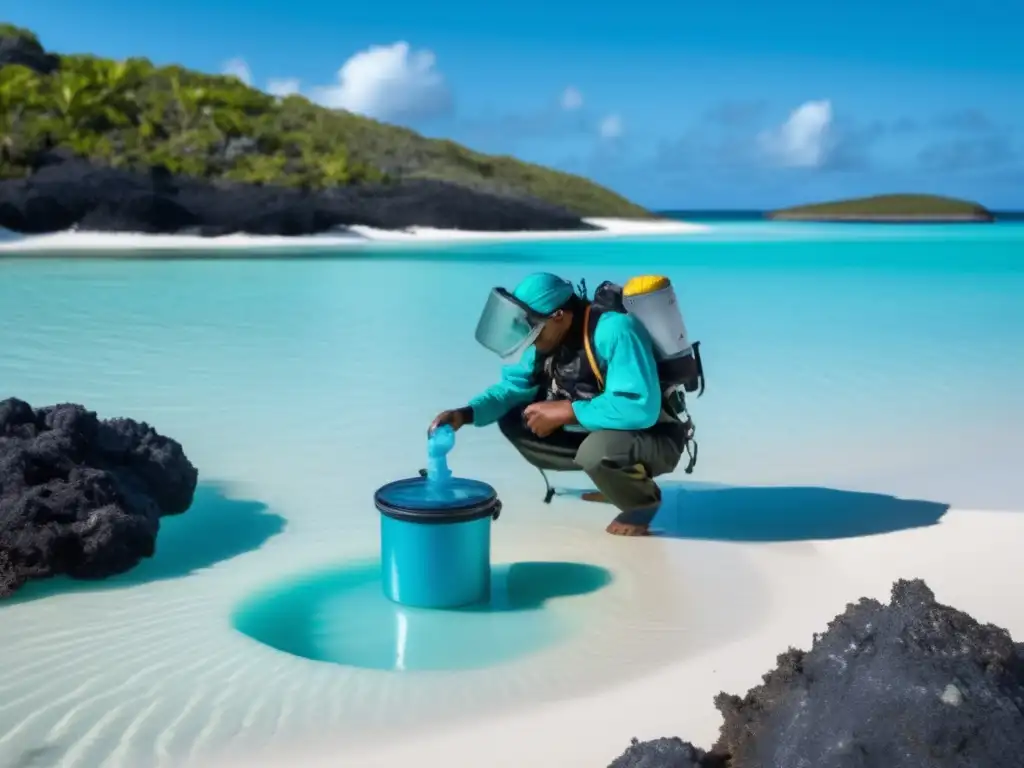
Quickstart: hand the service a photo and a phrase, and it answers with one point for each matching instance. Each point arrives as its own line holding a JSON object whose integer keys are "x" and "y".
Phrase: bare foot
{"x": 595, "y": 496}
{"x": 625, "y": 529}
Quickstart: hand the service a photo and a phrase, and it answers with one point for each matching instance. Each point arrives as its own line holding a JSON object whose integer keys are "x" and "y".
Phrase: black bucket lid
{"x": 456, "y": 500}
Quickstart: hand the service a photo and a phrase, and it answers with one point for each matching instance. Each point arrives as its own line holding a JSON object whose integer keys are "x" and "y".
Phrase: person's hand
{"x": 455, "y": 419}
{"x": 544, "y": 418}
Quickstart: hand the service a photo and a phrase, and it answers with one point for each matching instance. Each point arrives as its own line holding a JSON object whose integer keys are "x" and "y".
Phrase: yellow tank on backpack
{"x": 651, "y": 299}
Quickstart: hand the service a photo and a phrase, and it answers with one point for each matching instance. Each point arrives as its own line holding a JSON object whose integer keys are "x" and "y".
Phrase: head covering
{"x": 543, "y": 292}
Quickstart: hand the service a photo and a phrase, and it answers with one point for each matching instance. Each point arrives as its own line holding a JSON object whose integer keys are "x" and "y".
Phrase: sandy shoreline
{"x": 805, "y": 585}
{"x": 356, "y": 237}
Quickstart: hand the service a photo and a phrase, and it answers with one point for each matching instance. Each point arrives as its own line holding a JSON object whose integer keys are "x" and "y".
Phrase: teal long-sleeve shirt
{"x": 632, "y": 393}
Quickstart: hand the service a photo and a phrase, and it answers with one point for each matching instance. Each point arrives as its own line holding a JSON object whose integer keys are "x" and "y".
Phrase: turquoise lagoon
{"x": 846, "y": 365}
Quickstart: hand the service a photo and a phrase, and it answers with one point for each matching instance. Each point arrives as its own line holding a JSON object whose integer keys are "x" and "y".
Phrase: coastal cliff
{"x": 889, "y": 209}
{"x": 125, "y": 145}
{"x": 69, "y": 193}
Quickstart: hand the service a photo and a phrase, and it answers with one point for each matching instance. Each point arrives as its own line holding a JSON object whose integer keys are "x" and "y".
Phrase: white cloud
{"x": 611, "y": 127}
{"x": 283, "y": 86}
{"x": 389, "y": 82}
{"x": 572, "y": 99}
{"x": 238, "y": 68}
{"x": 804, "y": 140}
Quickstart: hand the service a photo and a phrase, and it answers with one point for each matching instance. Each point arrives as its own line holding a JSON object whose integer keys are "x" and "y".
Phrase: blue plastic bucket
{"x": 435, "y": 541}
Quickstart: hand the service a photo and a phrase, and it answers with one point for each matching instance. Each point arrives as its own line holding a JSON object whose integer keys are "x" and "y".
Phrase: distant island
{"x": 889, "y": 208}
{"x": 109, "y": 145}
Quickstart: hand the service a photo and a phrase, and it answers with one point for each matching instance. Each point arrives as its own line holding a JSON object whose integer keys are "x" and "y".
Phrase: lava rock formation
{"x": 66, "y": 192}
{"x": 80, "y": 496}
{"x": 913, "y": 684}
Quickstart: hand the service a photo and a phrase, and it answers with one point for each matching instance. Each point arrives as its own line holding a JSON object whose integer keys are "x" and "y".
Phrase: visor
{"x": 507, "y": 325}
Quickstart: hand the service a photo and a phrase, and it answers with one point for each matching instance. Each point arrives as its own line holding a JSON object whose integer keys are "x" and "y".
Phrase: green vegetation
{"x": 9, "y": 30}
{"x": 890, "y": 207}
{"x": 136, "y": 115}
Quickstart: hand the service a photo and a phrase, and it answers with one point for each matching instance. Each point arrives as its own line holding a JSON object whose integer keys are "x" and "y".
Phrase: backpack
{"x": 677, "y": 375}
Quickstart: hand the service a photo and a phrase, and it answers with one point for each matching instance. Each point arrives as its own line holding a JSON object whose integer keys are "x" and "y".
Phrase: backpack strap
{"x": 590, "y": 319}
{"x": 700, "y": 367}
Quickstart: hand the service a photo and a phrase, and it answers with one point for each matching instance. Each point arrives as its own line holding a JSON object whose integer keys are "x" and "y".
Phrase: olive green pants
{"x": 621, "y": 464}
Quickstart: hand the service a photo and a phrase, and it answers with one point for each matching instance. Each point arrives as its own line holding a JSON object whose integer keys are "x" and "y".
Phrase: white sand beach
{"x": 357, "y": 236}
{"x": 817, "y": 485}
{"x": 730, "y": 609}
{"x": 683, "y": 620}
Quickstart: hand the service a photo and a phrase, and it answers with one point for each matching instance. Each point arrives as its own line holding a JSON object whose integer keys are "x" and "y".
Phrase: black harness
{"x": 566, "y": 373}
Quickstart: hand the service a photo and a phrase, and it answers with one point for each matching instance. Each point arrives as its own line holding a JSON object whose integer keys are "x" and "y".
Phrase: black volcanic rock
{"x": 913, "y": 684}
{"x": 65, "y": 192}
{"x": 26, "y": 51}
{"x": 80, "y": 496}
{"x": 663, "y": 753}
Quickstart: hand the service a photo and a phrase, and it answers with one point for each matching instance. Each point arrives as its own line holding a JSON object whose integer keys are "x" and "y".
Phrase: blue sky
{"x": 676, "y": 105}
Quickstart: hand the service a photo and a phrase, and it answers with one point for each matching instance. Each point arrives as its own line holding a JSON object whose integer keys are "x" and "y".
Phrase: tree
{"x": 19, "y": 92}
{"x": 189, "y": 102}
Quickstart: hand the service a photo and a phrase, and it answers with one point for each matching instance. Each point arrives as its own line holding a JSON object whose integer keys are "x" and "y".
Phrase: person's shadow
{"x": 785, "y": 514}
{"x": 215, "y": 528}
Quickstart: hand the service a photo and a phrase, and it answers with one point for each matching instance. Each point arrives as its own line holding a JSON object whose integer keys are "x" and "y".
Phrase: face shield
{"x": 507, "y": 325}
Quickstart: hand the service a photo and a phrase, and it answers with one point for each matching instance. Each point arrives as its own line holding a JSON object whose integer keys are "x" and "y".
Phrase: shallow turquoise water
{"x": 880, "y": 359}
{"x": 341, "y": 616}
